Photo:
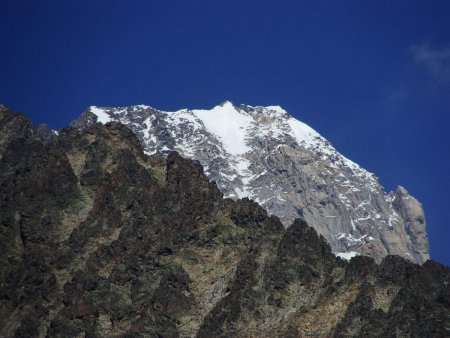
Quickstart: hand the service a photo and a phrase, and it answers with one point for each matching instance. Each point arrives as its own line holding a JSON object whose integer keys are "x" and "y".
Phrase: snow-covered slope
{"x": 267, "y": 155}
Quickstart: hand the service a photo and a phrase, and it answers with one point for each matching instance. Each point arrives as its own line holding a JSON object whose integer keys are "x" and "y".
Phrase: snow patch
{"x": 146, "y": 131}
{"x": 230, "y": 177}
{"x": 229, "y": 125}
{"x": 349, "y": 238}
{"x": 346, "y": 255}
{"x": 102, "y": 116}
{"x": 303, "y": 133}
{"x": 276, "y": 109}
{"x": 184, "y": 115}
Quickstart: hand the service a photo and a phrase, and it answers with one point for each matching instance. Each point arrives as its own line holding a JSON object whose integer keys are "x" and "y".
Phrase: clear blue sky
{"x": 371, "y": 76}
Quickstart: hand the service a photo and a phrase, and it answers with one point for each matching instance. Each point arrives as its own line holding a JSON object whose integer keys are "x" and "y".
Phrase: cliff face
{"x": 99, "y": 239}
{"x": 265, "y": 154}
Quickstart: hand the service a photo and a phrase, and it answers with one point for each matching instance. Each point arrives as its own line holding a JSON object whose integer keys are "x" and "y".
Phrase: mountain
{"x": 267, "y": 155}
{"x": 101, "y": 240}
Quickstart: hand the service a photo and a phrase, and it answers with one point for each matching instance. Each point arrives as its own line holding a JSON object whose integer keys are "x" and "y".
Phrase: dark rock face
{"x": 100, "y": 240}
{"x": 45, "y": 133}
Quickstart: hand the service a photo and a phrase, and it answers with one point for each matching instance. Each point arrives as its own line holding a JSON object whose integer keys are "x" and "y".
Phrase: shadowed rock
{"x": 100, "y": 240}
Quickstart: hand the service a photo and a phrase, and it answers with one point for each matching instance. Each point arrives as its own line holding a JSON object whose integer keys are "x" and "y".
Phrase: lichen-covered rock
{"x": 100, "y": 240}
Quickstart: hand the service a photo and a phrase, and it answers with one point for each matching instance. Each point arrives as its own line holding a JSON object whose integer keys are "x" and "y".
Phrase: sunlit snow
{"x": 346, "y": 255}
{"x": 102, "y": 117}
{"x": 304, "y": 134}
{"x": 229, "y": 125}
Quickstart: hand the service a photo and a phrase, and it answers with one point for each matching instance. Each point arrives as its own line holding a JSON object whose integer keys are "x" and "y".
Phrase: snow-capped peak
{"x": 265, "y": 154}
{"x": 226, "y": 103}
{"x": 228, "y": 124}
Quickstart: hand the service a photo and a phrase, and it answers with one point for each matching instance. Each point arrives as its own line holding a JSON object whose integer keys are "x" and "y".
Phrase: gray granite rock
{"x": 265, "y": 154}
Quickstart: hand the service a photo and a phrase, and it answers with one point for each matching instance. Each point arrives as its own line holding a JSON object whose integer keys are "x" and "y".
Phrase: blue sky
{"x": 371, "y": 76}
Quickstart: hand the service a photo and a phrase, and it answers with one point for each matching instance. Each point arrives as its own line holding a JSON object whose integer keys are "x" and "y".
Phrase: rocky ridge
{"x": 265, "y": 154}
{"x": 100, "y": 240}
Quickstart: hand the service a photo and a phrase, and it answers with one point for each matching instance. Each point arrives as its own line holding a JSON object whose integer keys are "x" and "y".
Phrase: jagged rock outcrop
{"x": 265, "y": 154}
{"x": 45, "y": 133}
{"x": 100, "y": 240}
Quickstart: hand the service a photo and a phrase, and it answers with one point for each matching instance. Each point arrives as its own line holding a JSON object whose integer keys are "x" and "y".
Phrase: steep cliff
{"x": 265, "y": 154}
{"x": 100, "y": 240}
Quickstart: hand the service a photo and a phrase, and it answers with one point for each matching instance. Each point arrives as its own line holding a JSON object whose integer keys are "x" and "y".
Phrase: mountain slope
{"x": 100, "y": 240}
{"x": 265, "y": 154}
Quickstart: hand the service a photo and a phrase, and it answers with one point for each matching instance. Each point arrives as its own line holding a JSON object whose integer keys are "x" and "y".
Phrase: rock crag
{"x": 265, "y": 154}
{"x": 101, "y": 240}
